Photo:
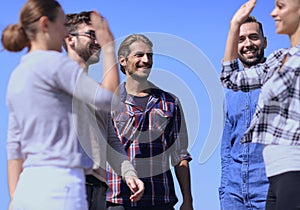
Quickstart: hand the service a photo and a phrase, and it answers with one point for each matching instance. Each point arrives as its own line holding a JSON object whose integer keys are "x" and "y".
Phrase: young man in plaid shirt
{"x": 150, "y": 124}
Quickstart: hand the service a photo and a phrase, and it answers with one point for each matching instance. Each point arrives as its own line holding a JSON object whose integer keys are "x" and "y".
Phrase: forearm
{"x": 111, "y": 78}
{"x": 105, "y": 39}
{"x": 182, "y": 172}
{"x": 231, "y": 50}
{"x": 14, "y": 168}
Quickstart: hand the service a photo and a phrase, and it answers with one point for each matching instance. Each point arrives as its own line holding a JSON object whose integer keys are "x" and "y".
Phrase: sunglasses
{"x": 91, "y": 34}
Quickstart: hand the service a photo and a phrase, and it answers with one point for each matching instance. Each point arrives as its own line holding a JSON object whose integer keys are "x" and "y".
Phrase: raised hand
{"x": 102, "y": 30}
{"x": 241, "y": 15}
{"x": 243, "y": 12}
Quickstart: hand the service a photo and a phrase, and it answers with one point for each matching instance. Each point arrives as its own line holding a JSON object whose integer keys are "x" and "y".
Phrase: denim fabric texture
{"x": 244, "y": 184}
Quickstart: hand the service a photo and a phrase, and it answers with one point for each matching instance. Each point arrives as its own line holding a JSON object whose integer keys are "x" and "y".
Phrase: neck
{"x": 42, "y": 43}
{"x": 84, "y": 65}
{"x": 295, "y": 38}
{"x": 37, "y": 45}
{"x": 135, "y": 87}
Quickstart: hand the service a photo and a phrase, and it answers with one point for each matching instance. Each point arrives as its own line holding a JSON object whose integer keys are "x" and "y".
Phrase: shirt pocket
{"x": 159, "y": 119}
{"x": 159, "y": 126}
{"x": 125, "y": 124}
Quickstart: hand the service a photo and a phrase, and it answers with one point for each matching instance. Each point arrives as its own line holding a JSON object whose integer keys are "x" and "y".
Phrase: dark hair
{"x": 252, "y": 19}
{"x": 73, "y": 20}
{"x": 124, "y": 49}
{"x": 16, "y": 37}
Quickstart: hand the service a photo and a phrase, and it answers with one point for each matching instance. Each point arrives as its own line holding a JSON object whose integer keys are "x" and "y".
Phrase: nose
{"x": 145, "y": 58}
{"x": 248, "y": 42}
{"x": 273, "y": 13}
{"x": 95, "y": 41}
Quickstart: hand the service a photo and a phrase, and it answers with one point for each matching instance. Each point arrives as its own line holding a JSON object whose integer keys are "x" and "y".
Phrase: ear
{"x": 70, "y": 41}
{"x": 44, "y": 23}
{"x": 265, "y": 42}
{"x": 122, "y": 61}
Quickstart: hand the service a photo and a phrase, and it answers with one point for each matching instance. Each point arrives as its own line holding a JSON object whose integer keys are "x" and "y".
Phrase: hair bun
{"x": 14, "y": 38}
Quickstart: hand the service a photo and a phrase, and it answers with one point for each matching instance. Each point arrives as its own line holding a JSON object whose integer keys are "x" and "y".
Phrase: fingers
{"x": 243, "y": 12}
{"x": 103, "y": 34}
{"x": 249, "y": 6}
{"x": 131, "y": 184}
{"x": 97, "y": 19}
{"x": 137, "y": 188}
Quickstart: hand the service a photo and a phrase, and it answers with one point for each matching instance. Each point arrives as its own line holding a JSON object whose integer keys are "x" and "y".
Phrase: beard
{"x": 251, "y": 61}
{"x": 90, "y": 54}
{"x": 140, "y": 76}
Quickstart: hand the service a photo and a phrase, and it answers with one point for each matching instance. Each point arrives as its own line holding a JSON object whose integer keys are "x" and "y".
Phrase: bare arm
{"x": 182, "y": 172}
{"x": 14, "y": 168}
{"x": 231, "y": 50}
{"x": 111, "y": 79}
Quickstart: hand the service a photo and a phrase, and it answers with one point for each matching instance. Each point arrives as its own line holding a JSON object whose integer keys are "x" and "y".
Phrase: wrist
{"x": 187, "y": 199}
{"x": 130, "y": 174}
{"x": 234, "y": 25}
{"x": 109, "y": 47}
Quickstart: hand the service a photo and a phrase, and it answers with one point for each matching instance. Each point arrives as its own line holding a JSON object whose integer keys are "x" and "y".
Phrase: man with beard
{"x": 244, "y": 184}
{"x": 94, "y": 129}
{"x": 151, "y": 126}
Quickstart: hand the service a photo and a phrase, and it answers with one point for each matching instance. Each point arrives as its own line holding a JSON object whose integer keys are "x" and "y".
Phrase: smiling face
{"x": 286, "y": 15}
{"x": 139, "y": 62}
{"x": 251, "y": 44}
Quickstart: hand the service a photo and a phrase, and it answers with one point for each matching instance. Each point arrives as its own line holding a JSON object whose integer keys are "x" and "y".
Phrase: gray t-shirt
{"x": 39, "y": 97}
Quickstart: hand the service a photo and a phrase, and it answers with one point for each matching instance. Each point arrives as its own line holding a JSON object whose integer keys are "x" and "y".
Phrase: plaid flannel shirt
{"x": 151, "y": 138}
{"x": 277, "y": 116}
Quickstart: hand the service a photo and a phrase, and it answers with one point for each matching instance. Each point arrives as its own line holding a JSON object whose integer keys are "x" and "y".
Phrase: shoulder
{"x": 277, "y": 54}
{"x": 48, "y": 58}
{"x": 165, "y": 95}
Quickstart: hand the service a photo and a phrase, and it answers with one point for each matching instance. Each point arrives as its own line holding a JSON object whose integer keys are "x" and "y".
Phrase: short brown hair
{"x": 252, "y": 19}
{"x": 73, "y": 20}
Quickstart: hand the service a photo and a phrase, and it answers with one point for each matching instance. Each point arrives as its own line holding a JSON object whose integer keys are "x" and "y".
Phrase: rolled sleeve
{"x": 251, "y": 78}
{"x": 180, "y": 137}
